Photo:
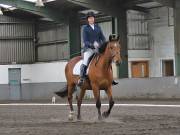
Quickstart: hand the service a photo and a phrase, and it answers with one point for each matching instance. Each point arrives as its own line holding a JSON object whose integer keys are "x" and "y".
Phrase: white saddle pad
{"x": 76, "y": 69}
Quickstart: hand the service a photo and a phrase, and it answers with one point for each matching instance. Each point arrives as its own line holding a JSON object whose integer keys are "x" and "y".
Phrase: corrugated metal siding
{"x": 18, "y": 51}
{"x": 53, "y": 43}
{"x": 16, "y": 41}
{"x": 106, "y": 28}
{"x": 13, "y": 30}
{"x": 8, "y": 19}
{"x": 53, "y": 52}
{"x": 137, "y": 30}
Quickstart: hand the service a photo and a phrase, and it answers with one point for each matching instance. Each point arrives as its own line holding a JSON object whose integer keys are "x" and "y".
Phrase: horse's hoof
{"x": 70, "y": 117}
{"x": 100, "y": 117}
{"x": 79, "y": 118}
{"x": 105, "y": 114}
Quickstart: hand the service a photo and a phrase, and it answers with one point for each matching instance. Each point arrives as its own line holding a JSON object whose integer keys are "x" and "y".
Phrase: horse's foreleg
{"x": 70, "y": 92}
{"x": 98, "y": 105}
{"x": 79, "y": 102}
{"x": 111, "y": 102}
{"x": 96, "y": 92}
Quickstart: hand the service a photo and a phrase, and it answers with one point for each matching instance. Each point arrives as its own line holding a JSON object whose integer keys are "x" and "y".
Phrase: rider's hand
{"x": 96, "y": 45}
{"x": 92, "y": 47}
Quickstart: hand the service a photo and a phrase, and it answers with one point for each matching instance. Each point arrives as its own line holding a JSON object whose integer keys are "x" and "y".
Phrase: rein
{"x": 97, "y": 55}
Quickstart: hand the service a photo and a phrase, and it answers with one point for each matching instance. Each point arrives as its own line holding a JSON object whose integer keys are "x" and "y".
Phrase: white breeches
{"x": 87, "y": 54}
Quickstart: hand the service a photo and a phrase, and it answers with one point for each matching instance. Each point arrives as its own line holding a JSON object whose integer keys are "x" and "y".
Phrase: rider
{"x": 93, "y": 38}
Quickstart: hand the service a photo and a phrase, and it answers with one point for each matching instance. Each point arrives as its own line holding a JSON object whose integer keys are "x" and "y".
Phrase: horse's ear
{"x": 113, "y": 37}
{"x": 110, "y": 38}
{"x": 118, "y": 38}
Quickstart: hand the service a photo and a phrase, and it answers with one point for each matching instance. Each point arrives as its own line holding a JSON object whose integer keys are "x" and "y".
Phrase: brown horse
{"x": 99, "y": 76}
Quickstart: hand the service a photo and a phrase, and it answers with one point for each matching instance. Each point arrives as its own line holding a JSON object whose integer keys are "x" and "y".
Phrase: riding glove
{"x": 92, "y": 47}
{"x": 96, "y": 45}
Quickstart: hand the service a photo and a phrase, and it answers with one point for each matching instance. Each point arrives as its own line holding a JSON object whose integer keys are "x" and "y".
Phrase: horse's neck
{"x": 105, "y": 60}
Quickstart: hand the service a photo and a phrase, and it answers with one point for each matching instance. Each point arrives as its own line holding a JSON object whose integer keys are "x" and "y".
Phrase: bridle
{"x": 113, "y": 52}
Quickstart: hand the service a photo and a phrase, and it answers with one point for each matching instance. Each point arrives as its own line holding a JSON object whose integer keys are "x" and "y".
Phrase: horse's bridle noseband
{"x": 113, "y": 53}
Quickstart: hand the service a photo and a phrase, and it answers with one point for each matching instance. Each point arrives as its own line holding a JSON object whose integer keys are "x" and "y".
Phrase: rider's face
{"x": 91, "y": 20}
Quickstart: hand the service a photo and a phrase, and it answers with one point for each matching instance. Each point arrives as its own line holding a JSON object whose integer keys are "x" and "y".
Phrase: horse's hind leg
{"x": 70, "y": 92}
{"x": 79, "y": 102}
{"x": 111, "y": 103}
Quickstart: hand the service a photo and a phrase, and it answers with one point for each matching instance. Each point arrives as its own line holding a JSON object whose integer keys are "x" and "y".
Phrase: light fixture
{"x": 1, "y": 13}
{"x": 39, "y": 3}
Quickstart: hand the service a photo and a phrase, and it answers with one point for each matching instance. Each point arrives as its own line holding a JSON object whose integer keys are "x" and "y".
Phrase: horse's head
{"x": 114, "y": 48}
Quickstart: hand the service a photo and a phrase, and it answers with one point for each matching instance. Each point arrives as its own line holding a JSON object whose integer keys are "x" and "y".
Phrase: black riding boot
{"x": 82, "y": 74}
{"x": 114, "y": 82}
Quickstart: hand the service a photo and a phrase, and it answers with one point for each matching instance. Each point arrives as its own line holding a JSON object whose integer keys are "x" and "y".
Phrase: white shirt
{"x": 92, "y": 26}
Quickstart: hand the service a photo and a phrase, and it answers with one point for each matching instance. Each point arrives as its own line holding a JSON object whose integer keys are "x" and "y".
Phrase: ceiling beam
{"x": 168, "y": 3}
{"x": 105, "y": 6}
{"x": 45, "y": 11}
{"x": 138, "y": 8}
{"x": 131, "y": 3}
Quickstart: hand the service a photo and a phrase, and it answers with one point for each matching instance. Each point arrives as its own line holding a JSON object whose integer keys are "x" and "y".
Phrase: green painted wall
{"x": 74, "y": 35}
{"x": 177, "y": 61}
{"x": 177, "y": 36}
{"x": 121, "y": 29}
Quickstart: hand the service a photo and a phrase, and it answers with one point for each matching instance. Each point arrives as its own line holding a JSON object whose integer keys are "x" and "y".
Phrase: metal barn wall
{"x": 159, "y": 43}
{"x": 161, "y": 30}
{"x": 106, "y": 28}
{"x": 137, "y": 30}
{"x": 52, "y": 42}
{"x": 38, "y": 81}
{"x": 16, "y": 41}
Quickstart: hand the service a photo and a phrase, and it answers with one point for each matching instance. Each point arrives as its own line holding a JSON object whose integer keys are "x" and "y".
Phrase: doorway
{"x": 167, "y": 68}
{"x": 140, "y": 69}
{"x": 14, "y": 83}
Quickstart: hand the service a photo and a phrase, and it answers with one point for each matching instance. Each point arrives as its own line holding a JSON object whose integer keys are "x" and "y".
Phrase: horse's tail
{"x": 64, "y": 91}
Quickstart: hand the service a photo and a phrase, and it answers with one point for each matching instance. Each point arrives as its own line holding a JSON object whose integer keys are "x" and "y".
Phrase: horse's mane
{"x": 103, "y": 47}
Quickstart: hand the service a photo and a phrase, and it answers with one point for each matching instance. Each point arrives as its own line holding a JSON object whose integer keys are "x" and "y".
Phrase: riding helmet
{"x": 90, "y": 14}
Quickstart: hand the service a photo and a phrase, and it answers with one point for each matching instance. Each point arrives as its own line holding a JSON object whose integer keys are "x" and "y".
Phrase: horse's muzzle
{"x": 118, "y": 62}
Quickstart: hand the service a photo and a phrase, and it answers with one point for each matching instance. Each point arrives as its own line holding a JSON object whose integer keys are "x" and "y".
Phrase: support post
{"x": 74, "y": 35}
{"x": 121, "y": 29}
{"x": 177, "y": 36}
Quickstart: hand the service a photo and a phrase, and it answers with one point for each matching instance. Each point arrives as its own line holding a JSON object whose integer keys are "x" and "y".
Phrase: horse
{"x": 99, "y": 77}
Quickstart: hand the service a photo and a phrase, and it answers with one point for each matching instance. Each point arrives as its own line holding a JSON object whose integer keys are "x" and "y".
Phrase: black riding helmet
{"x": 90, "y": 14}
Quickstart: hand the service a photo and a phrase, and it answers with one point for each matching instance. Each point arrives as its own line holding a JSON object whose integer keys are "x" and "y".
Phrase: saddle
{"x": 76, "y": 69}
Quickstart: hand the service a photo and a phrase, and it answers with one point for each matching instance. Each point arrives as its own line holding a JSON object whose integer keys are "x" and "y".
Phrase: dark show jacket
{"x": 90, "y": 36}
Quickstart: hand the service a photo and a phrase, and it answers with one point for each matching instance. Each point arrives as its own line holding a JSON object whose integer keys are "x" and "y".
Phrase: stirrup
{"x": 114, "y": 82}
{"x": 80, "y": 81}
